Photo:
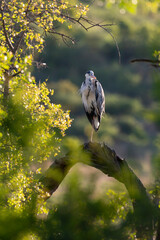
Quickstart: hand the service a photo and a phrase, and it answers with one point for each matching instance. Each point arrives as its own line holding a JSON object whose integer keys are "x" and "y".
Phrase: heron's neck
{"x": 88, "y": 80}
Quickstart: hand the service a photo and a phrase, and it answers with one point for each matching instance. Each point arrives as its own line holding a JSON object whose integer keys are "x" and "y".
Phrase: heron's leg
{"x": 92, "y": 134}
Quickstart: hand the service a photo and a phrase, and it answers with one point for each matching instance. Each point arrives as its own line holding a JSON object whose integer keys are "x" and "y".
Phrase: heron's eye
{"x": 92, "y": 73}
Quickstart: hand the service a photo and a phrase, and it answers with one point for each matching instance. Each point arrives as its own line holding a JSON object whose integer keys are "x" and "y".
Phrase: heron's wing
{"x": 100, "y": 98}
{"x": 80, "y": 91}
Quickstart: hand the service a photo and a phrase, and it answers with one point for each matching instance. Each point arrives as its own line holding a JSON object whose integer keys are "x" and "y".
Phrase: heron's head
{"x": 90, "y": 73}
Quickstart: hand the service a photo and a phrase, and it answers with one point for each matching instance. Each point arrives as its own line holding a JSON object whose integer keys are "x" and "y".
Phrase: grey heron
{"x": 93, "y": 100}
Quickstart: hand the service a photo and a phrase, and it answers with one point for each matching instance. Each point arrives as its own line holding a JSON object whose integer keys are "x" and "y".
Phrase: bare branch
{"x": 102, "y": 26}
{"x": 40, "y": 64}
{"x": 105, "y": 28}
{"x": 64, "y": 36}
{"x": 82, "y": 21}
{"x": 153, "y": 63}
{"x": 144, "y": 60}
{"x": 119, "y": 53}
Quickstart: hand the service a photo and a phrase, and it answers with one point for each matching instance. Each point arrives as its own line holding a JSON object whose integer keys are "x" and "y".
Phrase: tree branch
{"x": 106, "y": 160}
{"x": 63, "y": 36}
{"x": 8, "y": 41}
{"x": 17, "y": 44}
{"x": 144, "y": 60}
{"x": 21, "y": 35}
{"x": 153, "y": 63}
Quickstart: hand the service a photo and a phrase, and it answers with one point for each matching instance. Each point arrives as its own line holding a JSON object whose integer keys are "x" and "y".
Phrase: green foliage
{"x": 25, "y": 19}
{"x": 133, "y": 6}
{"x": 31, "y": 126}
{"x": 122, "y": 105}
{"x": 31, "y": 131}
{"x": 79, "y": 215}
{"x": 67, "y": 94}
{"x": 76, "y": 214}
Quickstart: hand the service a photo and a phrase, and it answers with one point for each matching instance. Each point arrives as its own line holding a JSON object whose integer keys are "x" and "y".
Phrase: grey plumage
{"x": 93, "y": 99}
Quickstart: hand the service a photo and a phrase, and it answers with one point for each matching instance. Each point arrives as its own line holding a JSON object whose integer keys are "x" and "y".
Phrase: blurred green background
{"x": 127, "y": 125}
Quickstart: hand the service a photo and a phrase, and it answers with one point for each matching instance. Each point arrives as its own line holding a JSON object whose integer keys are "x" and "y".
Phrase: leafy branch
{"x": 8, "y": 41}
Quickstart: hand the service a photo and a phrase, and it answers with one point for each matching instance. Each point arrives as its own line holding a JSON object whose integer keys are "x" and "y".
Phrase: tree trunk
{"x": 6, "y": 85}
{"x": 103, "y": 158}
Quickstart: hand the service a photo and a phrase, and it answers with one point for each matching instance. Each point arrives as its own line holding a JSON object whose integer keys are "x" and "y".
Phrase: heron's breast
{"x": 88, "y": 98}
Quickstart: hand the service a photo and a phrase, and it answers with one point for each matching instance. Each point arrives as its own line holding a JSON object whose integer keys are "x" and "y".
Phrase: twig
{"x": 64, "y": 36}
{"x": 104, "y": 27}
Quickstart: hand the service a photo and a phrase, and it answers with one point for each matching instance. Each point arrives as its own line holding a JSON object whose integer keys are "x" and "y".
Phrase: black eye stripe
{"x": 90, "y": 72}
